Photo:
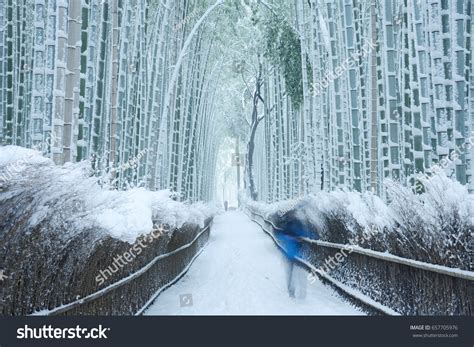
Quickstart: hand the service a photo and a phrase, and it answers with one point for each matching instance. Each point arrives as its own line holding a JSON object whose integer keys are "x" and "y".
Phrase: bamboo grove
{"x": 90, "y": 79}
{"x": 348, "y": 94}
{"x": 386, "y": 94}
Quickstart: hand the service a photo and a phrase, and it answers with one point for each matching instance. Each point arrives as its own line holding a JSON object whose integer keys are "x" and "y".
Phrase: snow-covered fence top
{"x": 70, "y": 246}
{"x": 434, "y": 227}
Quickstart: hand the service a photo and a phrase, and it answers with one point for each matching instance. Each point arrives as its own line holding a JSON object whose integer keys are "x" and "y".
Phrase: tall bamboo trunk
{"x": 113, "y": 90}
{"x": 374, "y": 122}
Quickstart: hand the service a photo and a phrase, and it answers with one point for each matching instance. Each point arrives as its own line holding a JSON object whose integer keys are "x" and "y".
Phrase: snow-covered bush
{"x": 59, "y": 228}
{"x": 69, "y": 193}
{"x": 435, "y": 226}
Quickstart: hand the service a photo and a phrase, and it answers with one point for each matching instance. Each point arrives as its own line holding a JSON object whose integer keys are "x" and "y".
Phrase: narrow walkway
{"x": 241, "y": 272}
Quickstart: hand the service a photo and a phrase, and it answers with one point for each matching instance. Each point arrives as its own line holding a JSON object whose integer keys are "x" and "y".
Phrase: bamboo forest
{"x": 353, "y": 119}
{"x": 325, "y": 94}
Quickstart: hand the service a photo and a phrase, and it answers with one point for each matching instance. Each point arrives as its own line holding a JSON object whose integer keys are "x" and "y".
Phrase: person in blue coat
{"x": 288, "y": 234}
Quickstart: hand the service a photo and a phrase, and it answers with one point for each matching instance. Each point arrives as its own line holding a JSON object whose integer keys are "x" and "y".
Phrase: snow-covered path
{"x": 241, "y": 272}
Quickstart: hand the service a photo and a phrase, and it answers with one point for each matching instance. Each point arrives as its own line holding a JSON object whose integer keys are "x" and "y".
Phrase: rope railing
{"x": 126, "y": 280}
{"x": 444, "y": 270}
{"x": 405, "y": 286}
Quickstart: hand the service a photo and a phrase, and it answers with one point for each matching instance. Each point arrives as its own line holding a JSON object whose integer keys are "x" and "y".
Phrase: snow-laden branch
{"x": 177, "y": 66}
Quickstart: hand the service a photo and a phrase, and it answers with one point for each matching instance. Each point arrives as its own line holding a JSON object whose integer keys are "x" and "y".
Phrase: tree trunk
{"x": 253, "y": 130}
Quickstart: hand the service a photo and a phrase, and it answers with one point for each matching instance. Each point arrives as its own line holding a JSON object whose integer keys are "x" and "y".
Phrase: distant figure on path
{"x": 226, "y": 205}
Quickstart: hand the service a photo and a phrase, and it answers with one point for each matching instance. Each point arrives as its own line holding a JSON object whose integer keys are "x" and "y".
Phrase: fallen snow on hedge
{"x": 365, "y": 209}
{"x": 442, "y": 197}
{"x": 125, "y": 215}
{"x": 435, "y": 226}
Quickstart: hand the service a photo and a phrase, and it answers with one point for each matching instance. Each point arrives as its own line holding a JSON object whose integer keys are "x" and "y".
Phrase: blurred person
{"x": 291, "y": 229}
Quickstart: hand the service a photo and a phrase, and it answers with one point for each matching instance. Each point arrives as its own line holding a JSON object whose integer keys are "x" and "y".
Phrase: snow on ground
{"x": 242, "y": 272}
{"x": 125, "y": 215}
